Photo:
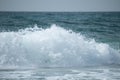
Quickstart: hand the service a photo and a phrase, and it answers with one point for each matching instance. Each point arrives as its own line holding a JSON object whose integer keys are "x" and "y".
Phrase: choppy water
{"x": 59, "y": 46}
{"x": 86, "y": 73}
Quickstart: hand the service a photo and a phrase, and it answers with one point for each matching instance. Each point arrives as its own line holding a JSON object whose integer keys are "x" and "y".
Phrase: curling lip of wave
{"x": 53, "y": 47}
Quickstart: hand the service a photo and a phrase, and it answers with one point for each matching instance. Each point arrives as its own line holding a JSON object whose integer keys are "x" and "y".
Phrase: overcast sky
{"x": 59, "y": 5}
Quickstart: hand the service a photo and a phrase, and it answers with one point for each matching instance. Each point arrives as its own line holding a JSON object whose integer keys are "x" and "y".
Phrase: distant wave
{"x": 53, "y": 47}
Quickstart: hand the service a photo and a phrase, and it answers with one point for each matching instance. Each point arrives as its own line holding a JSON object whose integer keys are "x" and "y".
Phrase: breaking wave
{"x": 53, "y": 47}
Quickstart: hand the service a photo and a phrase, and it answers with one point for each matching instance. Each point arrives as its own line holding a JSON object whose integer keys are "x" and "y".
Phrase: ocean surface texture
{"x": 59, "y": 45}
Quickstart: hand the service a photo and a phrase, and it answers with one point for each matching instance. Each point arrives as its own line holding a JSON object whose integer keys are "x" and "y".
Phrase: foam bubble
{"x": 53, "y": 47}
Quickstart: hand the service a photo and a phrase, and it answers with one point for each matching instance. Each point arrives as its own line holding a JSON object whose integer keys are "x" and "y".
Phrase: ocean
{"x": 59, "y": 45}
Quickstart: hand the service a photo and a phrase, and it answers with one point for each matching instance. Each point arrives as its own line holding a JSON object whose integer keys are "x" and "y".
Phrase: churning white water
{"x": 53, "y": 47}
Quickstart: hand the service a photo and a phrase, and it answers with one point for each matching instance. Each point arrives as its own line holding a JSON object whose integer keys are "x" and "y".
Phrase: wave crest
{"x": 53, "y": 47}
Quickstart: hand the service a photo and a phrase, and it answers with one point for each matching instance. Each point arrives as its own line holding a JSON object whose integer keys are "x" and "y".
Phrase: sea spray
{"x": 53, "y": 47}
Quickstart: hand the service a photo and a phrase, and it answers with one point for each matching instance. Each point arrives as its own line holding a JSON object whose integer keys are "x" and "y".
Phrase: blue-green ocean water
{"x": 103, "y": 26}
{"x": 59, "y": 45}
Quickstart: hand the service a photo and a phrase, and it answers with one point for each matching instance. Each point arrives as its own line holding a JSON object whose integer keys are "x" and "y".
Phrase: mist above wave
{"x": 53, "y": 47}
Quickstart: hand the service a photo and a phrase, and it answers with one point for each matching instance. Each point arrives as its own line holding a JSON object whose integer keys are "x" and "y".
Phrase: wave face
{"x": 53, "y": 47}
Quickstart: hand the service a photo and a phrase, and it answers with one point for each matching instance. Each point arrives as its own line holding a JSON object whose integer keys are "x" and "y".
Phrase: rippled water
{"x": 86, "y": 73}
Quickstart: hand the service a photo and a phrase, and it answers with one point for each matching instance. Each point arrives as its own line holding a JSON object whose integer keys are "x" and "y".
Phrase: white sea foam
{"x": 53, "y": 47}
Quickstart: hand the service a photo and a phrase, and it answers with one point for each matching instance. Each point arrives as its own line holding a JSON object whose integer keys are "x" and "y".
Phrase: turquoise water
{"x": 59, "y": 46}
{"x": 103, "y": 26}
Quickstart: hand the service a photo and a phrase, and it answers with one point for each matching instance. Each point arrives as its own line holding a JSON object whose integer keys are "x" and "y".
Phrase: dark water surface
{"x": 103, "y": 26}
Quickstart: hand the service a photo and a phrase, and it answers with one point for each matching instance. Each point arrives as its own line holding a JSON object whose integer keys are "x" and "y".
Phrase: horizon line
{"x": 59, "y": 11}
